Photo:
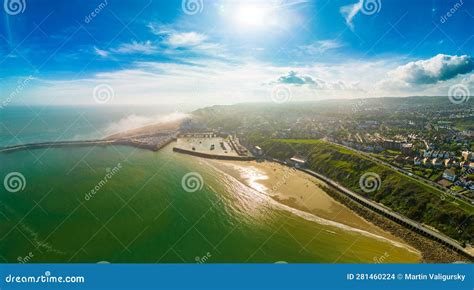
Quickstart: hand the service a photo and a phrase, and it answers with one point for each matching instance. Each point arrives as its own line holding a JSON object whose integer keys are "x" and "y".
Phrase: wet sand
{"x": 298, "y": 190}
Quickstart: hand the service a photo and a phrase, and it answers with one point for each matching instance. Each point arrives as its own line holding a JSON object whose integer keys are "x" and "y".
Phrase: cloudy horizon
{"x": 225, "y": 52}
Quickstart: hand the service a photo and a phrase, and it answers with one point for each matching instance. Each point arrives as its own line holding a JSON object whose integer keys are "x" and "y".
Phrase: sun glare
{"x": 253, "y": 16}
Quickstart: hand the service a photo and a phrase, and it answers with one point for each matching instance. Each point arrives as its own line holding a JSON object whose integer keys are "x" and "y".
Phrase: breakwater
{"x": 212, "y": 156}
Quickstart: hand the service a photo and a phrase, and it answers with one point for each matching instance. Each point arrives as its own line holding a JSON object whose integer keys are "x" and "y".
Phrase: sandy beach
{"x": 298, "y": 190}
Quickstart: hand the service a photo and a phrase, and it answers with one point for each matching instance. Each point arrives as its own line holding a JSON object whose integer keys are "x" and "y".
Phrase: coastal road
{"x": 387, "y": 212}
{"x": 460, "y": 197}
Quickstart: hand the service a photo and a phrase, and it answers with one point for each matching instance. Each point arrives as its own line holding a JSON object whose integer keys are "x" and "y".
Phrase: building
{"x": 416, "y": 161}
{"x": 298, "y": 162}
{"x": 392, "y": 145}
{"x": 258, "y": 151}
{"x": 467, "y": 156}
{"x": 450, "y": 175}
{"x": 407, "y": 149}
{"x": 437, "y": 162}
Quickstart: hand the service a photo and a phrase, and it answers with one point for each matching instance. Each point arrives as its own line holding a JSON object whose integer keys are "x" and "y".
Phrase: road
{"x": 387, "y": 212}
{"x": 428, "y": 182}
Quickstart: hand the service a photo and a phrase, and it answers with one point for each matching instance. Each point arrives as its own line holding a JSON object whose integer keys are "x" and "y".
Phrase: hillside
{"x": 399, "y": 192}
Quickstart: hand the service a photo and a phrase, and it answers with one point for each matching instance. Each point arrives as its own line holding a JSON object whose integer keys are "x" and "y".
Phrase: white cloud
{"x": 185, "y": 39}
{"x": 433, "y": 70}
{"x": 321, "y": 46}
{"x": 350, "y": 11}
{"x": 101, "y": 52}
{"x": 146, "y": 47}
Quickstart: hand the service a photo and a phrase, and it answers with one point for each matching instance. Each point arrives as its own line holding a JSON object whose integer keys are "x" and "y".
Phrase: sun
{"x": 251, "y": 15}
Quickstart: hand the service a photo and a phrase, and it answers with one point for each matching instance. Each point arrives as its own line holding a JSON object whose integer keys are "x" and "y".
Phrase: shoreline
{"x": 429, "y": 250}
{"x": 311, "y": 201}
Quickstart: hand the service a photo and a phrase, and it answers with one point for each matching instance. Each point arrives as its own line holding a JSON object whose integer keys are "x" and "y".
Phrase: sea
{"x": 119, "y": 204}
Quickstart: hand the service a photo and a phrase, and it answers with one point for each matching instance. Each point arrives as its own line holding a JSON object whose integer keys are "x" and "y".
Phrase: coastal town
{"x": 434, "y": 144}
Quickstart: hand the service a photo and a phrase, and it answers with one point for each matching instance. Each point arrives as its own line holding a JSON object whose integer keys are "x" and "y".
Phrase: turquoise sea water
{"x": 140, "y": 211}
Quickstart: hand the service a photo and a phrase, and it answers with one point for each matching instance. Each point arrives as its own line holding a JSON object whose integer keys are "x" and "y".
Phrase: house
{"x": 467, "y": 156}
{"x": 448, "y": 162}
{"x": 416, "y": 161}
{"x": 426, "y": 162}
{"x": 437, "y": 162}
{"x": 449, "y": 174}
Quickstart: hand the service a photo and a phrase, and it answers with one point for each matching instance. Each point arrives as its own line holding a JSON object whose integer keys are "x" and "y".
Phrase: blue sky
{"x": 222, "y": 52}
